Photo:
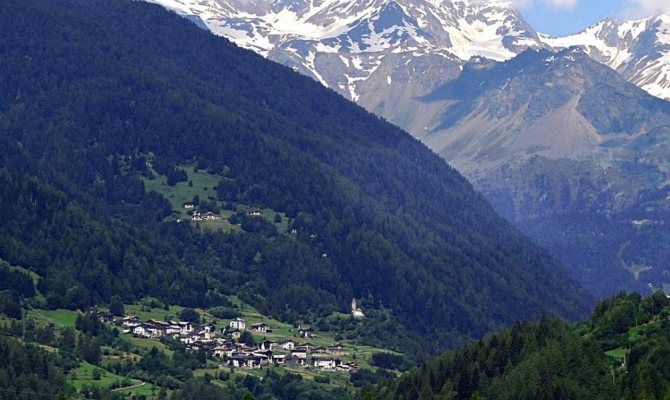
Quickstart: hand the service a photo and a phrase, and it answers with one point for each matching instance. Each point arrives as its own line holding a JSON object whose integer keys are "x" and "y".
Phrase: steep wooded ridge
{"x": 95, "y": 91}
{"x": 597, "y": 147}
{"x": 621, "y": 353}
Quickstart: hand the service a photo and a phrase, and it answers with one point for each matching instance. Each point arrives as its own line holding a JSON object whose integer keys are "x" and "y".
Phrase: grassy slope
{"x": 204, "y": 186}
{"x": 83, "y": 374}
{"x": 84, "y": 377}
{"x": 60, "y": 318}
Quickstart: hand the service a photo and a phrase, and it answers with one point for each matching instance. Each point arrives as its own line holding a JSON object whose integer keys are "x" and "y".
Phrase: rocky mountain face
{"x": 381, "y": 54}
{"x": 570, "y": 151}
{"x": 639, "y": 50}
{"x": 349, "y": 46}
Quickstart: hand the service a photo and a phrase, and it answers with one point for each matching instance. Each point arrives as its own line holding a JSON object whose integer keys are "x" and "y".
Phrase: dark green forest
{"x": 27, "y": 372}
{"x": 623, "y": 352}
{"x": 44, "y": 360}
{"x": 98, "y": 94}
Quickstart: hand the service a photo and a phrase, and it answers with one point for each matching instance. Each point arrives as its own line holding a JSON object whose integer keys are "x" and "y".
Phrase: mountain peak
{"x": 463, "y": 27}
{"x": 490, "y": 3}
{"x": 663, "y": 17}
{"x": 352, "y": 46}
{"x": 306, "y": 34}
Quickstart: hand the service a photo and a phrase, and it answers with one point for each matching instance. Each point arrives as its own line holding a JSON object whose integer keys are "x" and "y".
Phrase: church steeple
{"x": 356, "y": 312}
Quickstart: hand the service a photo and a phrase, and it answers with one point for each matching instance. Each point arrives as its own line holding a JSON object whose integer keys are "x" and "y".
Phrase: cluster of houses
{"x": 288, "y": 353}
{"x": 196, "y": 215}
{"x": 208, "y": 216}
{"x": 224, "y": 343}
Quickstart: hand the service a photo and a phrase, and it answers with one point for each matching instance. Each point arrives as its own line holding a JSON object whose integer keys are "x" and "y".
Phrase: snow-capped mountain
{"x": 638, "y": 49}
{"x": 356, "y": 46}
{"x": 369, "y": 50}
{"x": 463, "y": 28}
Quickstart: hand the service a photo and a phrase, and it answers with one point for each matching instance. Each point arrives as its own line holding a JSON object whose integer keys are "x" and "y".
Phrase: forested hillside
{"x": 621, "y": 353}
{"x": 99, "y": 96}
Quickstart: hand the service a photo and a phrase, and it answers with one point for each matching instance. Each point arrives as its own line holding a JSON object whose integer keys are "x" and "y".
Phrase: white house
{"x": 239, "y": 324}
{"x": 155, "y": 331}
{"x": 237, "y": 361}
{"x": 185, "y": 327}
{"x": 210, "y": 216}
{"x": 266, "y": 345}
{"x": 261, "y": 327}
{"x": 326, "y": 363}
{"x": 264, "y": 358}
{"x": 143, "y": 331}
{"x": 289, "y": 345}
{"x": 306, "y": 332}
{"x": 207, "y": 332}
{"x": 130, "y": 321}
{"x": 173, "y": 329}
{"x": 279, "y": 359}
{"x": 220, "y": 351}
{"x": 243, "y": 361}
{"x": 186, "y": 339}
{"x": 299, "y": 353}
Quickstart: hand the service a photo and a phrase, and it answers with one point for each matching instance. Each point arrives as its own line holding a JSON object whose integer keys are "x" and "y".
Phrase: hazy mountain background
{"x": 573, "y": 153}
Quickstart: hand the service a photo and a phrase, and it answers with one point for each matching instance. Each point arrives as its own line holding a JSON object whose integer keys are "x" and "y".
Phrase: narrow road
{"x": 129, "y": 387}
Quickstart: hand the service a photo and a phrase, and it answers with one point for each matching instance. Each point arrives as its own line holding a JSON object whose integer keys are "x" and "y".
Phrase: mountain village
{"x": 225, "y": 343}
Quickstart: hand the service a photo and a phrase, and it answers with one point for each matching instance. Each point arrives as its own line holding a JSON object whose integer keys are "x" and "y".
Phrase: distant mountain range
{"x": 369, "y": 50}
{"x": 560, "y": 144}
{"x": 351, "y": 46}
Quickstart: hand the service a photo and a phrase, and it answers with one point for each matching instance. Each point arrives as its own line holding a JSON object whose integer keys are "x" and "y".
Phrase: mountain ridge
{"x": 345, "y": 45}
{"x": 566, "y": 148}
{"x": 301, "y": 33}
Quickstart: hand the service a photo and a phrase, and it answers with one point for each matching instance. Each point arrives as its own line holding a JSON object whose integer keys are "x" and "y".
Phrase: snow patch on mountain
{"x": 638, "y": 49}
{"x": 346, "y": 44}
{"x": 461, "y": 28}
